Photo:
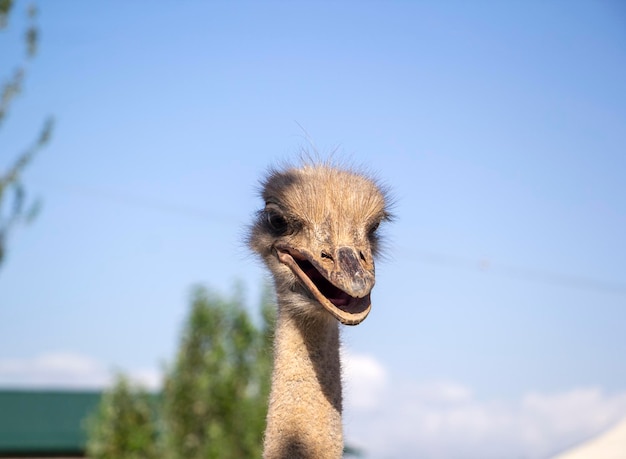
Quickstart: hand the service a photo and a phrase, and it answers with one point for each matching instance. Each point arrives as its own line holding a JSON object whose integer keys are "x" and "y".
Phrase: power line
{"x": 147, "y": 203}
{"x": 421, "y": 256}
{"x": 516, "y": 272}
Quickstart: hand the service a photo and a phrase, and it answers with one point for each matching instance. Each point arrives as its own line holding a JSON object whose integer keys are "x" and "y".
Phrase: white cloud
{"x": 444, "y": 420}
{"x": 364, "y": 380}
{"x": 67, "y": 370}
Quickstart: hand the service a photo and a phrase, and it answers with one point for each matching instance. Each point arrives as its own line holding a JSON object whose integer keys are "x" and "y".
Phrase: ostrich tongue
{"x": 334, "y": 294}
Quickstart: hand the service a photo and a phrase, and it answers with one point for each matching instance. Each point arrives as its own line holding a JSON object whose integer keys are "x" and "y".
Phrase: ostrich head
{"x": 318, "y": 236}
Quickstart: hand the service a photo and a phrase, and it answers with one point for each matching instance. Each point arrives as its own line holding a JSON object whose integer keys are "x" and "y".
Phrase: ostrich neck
{"x": 304, "y": 415}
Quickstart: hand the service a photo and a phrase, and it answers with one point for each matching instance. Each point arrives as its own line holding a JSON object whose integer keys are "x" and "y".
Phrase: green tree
{"x": 214, "y": 399}
{"x": 124, "y": 425}
{"x": 215, "y": 395}
{"x": 14, "y": 207}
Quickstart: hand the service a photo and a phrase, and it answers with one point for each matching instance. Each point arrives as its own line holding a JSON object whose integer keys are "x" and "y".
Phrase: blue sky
{"x": 499, "y": 126}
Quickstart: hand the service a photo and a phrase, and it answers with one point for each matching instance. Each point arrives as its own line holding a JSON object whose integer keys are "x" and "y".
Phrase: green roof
{"x": 44, "y": 422}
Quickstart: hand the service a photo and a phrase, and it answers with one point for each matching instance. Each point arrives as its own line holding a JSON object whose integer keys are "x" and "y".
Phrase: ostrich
{"x": 318, "y": 236}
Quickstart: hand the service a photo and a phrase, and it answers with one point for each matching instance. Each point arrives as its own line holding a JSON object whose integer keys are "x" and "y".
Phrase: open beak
{"x": 343, "y": 290}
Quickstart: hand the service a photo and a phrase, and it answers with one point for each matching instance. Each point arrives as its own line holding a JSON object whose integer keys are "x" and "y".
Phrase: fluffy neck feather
{"x": 304, "y": 415}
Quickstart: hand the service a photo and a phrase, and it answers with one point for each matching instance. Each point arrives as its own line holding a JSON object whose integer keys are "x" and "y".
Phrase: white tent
{"x": 608, "y": 445}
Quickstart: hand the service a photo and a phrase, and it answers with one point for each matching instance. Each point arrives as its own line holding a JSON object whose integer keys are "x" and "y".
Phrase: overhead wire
{"x": 417, "y": 255}
{"x": 515, "y": 272}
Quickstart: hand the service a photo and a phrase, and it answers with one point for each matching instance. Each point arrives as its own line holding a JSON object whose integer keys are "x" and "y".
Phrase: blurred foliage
{"x": 214, "y": 399}
{"x": 5, "y": 8}
{"x": 215, "y": 395}
{"x": 14, "y": 206}
{"x": 351, "y": 451}
{"x": 124, "y": 425}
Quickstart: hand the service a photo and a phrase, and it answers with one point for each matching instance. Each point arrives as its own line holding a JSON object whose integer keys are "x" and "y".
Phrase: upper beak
{"x": 349, "y": 274}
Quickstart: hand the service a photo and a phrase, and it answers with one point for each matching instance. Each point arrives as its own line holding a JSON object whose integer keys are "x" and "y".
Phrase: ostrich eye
{"x": 372, "y": 229}
{"x": 276, "y": 222}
